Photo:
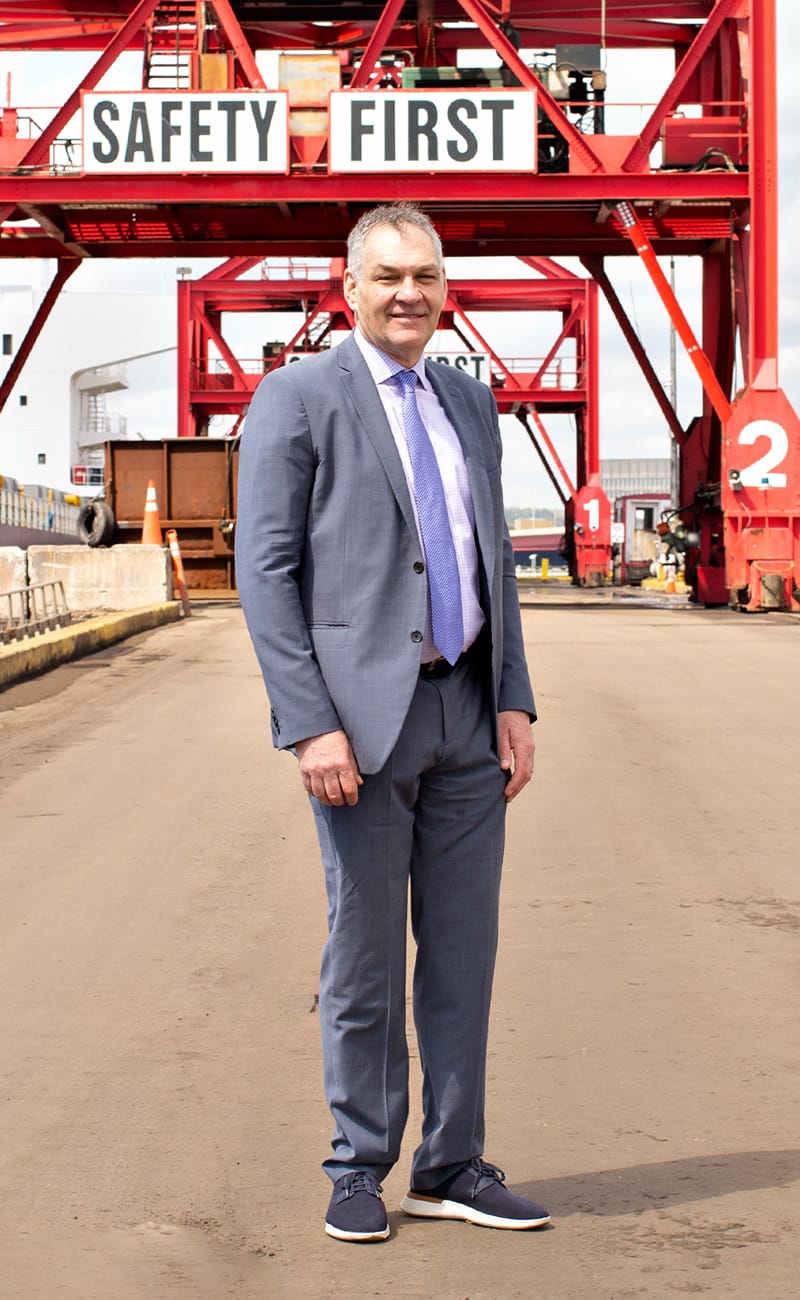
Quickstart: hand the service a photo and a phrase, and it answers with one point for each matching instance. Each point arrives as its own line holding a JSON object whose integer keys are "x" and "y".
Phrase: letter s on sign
{"x": 106, "y": 107}
{"x": 759, "y": 474}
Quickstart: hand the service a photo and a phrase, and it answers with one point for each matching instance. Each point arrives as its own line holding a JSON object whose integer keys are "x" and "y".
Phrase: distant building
{"x": 635, "y": 477}
{"x": 58, "y": 412}
{"x": 526, "y": 517}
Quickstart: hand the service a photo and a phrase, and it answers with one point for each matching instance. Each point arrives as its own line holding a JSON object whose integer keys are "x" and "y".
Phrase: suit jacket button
{"x": 416, "y": 636}
{"x": 419, "y": 567}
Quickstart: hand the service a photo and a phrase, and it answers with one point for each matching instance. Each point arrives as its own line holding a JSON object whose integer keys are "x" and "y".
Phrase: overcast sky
{"x": 630, "y": 422}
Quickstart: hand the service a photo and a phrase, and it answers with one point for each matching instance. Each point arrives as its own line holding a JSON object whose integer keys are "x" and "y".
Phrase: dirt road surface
{"x": 161, "y": 916}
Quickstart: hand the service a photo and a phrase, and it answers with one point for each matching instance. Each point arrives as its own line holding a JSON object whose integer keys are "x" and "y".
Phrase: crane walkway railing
{"x": 24, "y": 611}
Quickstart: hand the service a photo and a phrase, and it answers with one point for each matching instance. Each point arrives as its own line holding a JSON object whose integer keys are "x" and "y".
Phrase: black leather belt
{"x": 441, "y": 668}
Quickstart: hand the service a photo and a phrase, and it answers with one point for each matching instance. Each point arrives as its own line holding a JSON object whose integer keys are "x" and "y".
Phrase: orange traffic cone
{"x": 151, "y": 525}
{"x": 177, "y": 566}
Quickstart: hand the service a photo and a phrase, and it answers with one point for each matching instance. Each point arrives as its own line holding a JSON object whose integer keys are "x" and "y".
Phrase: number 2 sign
{"x": 764, "y": 472}
{"x": 761, "y": 452}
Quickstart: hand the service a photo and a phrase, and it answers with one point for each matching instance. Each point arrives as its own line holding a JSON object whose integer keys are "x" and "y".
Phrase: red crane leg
{"x": 763, "y": 199}
{"x": 761, "y": 443}
{"x": 185, "y": 411}
{"x": 590, "y": 346}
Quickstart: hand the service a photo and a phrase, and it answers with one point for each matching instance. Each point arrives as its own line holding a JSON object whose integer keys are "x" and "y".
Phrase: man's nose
{"x": 409, "y": 289}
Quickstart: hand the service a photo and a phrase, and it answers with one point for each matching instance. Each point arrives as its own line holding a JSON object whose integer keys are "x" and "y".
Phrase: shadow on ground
{"x": 671, "y": 1182}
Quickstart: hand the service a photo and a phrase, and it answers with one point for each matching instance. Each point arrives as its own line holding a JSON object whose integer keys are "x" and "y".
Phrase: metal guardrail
{"x": 21, "y": 510}
{"x": 24, "y": 611}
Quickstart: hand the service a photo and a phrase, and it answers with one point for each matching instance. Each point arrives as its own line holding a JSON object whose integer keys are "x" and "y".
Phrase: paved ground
{"x": 161, "y": 915}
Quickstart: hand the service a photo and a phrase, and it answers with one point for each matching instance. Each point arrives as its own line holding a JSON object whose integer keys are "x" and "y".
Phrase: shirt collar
{"x": 383, "y": 367}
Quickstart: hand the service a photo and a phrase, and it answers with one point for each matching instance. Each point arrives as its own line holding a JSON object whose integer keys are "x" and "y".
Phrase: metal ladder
{"x": 171, "y": 39}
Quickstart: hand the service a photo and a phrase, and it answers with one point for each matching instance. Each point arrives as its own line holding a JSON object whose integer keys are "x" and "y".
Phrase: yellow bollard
{"x": 545, "y": 568}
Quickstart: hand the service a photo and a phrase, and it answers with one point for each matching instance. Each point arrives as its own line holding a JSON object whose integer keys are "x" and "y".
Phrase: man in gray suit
{"x": 377, "y": 579}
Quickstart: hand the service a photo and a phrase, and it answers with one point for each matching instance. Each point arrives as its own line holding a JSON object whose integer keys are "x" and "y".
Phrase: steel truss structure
{"x": 699, "y": 178}
{"x": 213, "y": 380}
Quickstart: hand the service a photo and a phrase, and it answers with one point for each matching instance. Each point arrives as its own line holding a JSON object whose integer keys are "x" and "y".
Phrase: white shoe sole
{"x": 340, "y": 1235}
{"x": 426, "y": 1207}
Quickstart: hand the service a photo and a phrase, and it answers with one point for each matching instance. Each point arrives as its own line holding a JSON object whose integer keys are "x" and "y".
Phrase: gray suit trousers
{"x": 432, "y": 817}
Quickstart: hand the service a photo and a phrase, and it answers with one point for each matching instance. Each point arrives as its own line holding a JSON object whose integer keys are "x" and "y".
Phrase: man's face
{"x": 400, "y": 295}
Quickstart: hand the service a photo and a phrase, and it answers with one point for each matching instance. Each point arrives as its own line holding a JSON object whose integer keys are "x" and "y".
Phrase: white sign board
{"x": 472, "y": 363}
{"x": 617, "y": 534}
{"x": 244, "y": 131}
{"x": 433, "y": 131}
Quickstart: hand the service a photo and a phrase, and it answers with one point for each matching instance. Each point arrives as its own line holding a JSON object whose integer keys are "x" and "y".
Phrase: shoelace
{"x": 485, "y": 1175}
{"x": 362, "y": 1181}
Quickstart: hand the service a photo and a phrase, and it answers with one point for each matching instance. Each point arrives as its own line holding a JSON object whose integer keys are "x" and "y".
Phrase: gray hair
{"x": 397, "y": 215}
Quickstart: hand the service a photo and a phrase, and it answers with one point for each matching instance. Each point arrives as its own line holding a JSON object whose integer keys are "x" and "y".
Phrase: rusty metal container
{"x": 195, "y": 482}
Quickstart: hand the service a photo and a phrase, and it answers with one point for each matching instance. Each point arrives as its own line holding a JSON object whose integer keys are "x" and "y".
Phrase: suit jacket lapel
{"x": 361, "y": 389}
{"x": 462, "y": 418}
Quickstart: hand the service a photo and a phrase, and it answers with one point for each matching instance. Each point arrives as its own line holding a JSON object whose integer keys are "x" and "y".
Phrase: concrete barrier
{"x": 49, "y": 649}
{"x": 97, "y": 578}
{"x": 13, "y": 569}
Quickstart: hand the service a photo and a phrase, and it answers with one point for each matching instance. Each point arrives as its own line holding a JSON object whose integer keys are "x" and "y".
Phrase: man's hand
{"x": 516, "y": 746}
{"x": 328, "y": 768}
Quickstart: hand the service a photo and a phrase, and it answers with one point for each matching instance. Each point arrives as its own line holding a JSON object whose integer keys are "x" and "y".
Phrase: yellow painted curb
{"x": 47, "y": 650}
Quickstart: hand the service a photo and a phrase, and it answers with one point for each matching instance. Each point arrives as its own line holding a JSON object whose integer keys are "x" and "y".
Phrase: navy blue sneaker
{"x": 475, "y": 1193}
{"x": 356, "y": 1211}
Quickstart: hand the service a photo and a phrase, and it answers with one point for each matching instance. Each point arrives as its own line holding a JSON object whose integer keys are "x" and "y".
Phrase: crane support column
{"x": 760, "y": 471}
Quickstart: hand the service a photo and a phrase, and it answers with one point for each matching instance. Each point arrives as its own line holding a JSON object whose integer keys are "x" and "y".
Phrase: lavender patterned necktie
{"x": 447, "y": 624}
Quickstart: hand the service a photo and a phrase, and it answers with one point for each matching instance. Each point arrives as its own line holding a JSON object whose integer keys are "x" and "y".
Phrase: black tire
{"x": 96, "y": 524}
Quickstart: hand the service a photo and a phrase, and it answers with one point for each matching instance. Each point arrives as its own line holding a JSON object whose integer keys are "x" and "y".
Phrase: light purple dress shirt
{"x": 450, "y": 459}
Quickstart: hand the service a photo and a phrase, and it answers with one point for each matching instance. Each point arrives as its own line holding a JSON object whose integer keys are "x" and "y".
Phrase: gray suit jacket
{"x": 328, "y": 556}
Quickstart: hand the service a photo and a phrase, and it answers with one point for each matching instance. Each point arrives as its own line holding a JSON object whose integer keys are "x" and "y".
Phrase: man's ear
{"x": 349, "y": 287}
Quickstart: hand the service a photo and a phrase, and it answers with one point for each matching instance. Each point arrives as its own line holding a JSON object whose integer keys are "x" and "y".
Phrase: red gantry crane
{"x": 214, "y": 381}
{"x": 365, "y": 103}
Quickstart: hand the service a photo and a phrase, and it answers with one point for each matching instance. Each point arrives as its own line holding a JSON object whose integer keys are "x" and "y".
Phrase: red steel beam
{"x": 640, "y": 152}
{"x": 697, "y": 356}
{"x": 55, "y": 36}
{"x": 64, "y": 270}
{"x": 454, "y": 303}
{"x": 211, "y": 332}
{"x": 566, "y": 329}
{"x": 741, "y": 289}
{"x": 548, "y": 442}
{"x": 40, "y": 147}
{"x": 328, "y": 302}
{"x": 548, "y": 267}
{"x": 238, "y": 43}
{"x": 594, "y": 265}
{"x": 591, "y": 338}
{"x": 763, "y": 199}
{"x": 376, "y": 43}
{"x": 184, "y": 424}
{"x": 232, "y": 267}
{"x": 500, "y": 42}
{"x": 426, "y": 187}
{"x": 522, "y": 416}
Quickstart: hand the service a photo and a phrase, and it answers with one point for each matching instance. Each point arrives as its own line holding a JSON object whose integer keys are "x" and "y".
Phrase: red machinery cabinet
{"x": 589, "y": 521}
{"x": 760, "y": 493}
